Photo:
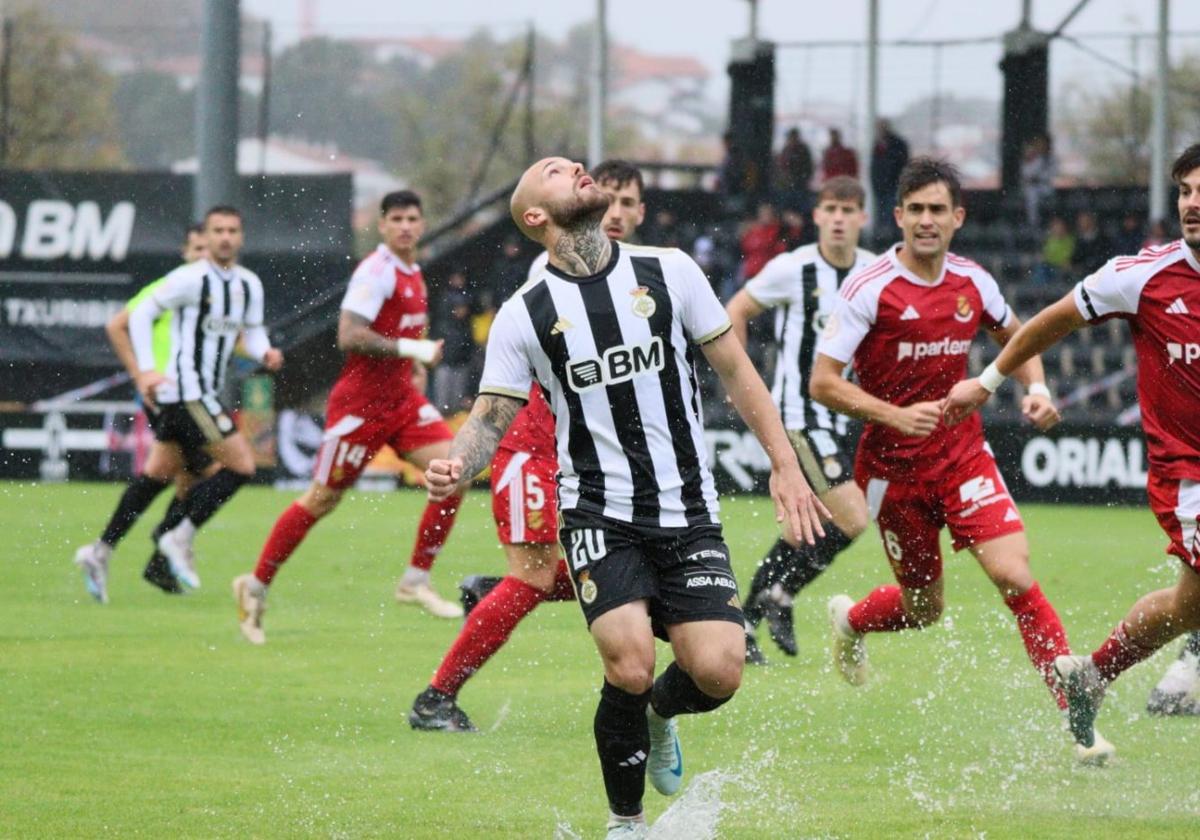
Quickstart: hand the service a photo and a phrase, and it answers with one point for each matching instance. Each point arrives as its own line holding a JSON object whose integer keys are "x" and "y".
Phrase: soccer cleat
{"x": 1098, "y": 754}
{"x": 251, "y": 600}
{"x": 474, "y": 588}
{"x": 622, "y": 828}
{"x": 754, "y": 654}
{"x": 1176, "y": 693}
{"x": 779, "y": 623}
{"x": 92, "y": 559}
{"x": 434, "y": 711}
{"x": 1084, "y": 687}
{"x": 664, "y": 765}
{"x": 158, "y": 573}
{"x": 180, "y": 558}
{"x": 424, "y": 595}
{"x": 849, "y": 651}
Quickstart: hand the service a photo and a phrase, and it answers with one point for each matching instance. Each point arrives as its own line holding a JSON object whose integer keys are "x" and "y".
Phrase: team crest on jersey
{"x": 224, "y": 423}
{"x": 831, "y": 326}
{"x": 963, "y": 311}
{"x": 833, "y": 470}
{"x": 643, "y": 305}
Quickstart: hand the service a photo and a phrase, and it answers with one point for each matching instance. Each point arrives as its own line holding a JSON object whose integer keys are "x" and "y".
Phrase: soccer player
{"x": 802, "y": 286}
{"x": 1157, "y": 291}
{"x": 212, "y": 302}
{"x": 373, "y": 404}
{"x": 608, "y": 332}
{"x": 907, "y": 323}
{"x": 165, "y": 463}
{"x": 524, "y": 505}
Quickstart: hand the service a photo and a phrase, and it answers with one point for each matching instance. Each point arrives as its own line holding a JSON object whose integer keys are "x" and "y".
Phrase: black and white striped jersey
{"x": 802, "y": 288}
{"x": 614, "y": 353}
{"x": 209, "y": 307}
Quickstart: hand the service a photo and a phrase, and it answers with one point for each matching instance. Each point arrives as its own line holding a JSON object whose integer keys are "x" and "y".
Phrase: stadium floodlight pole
{"x": 598, "y": 99}
{"x": 264, "y": 100}
{"x": 868, "y": 134}
{"x": 1158, "y": 134}
{"x": 217, "y": 107}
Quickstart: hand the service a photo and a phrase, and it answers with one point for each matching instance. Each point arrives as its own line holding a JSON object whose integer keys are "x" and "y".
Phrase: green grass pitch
{"x": 150, "y": 717}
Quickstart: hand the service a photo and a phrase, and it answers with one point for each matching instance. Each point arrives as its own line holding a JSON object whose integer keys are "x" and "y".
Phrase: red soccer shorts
{"x": 1176, "y": 503}
{"x": 971, "y": 500}
{"x": 351, "y": 441}
{"x": 524, "y": 499}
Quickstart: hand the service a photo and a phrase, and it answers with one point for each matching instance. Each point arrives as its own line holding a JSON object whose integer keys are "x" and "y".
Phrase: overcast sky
{"x": 704, "y": 29}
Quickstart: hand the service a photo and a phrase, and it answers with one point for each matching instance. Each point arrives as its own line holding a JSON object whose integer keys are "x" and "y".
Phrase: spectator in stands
{"x": 794, "y": 171}
{"x": 1092, "y": 248}
{"x": 888, "y": 157}
{"x": 1038, "y": 169}
{"x": 792, "y": 233}
{"x": 838, "y": 159}
{"x": 760, "y": 241}
{"x": 1131, "y": 235}
{"x": 1157, "y": 235}
{"x": 511, "y": 270}
{"x": 451, "y": 379}
{"x": 1057, "y": 253}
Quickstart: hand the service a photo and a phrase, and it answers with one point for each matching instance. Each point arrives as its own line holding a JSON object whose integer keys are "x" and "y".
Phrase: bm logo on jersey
{"x": 618, "y": 364}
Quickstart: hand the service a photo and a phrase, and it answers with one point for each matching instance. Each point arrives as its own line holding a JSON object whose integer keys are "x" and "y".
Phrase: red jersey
{"x": 391, "y": 295}
{"x": 532, "y": 430}
{"x": 1158, "y": 293}
{"x": 909, "y": 340}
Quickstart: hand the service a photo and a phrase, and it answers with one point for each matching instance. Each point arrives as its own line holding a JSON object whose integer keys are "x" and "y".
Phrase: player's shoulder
{"x": 869, "y": 280}
{"x": 374, "y": 265}
{"x": 863, "y": 257}
{"x": 795, "y": 258}
{"x": 634, "y": 250}
{"x": 249, "y": 276}
{"x": 188, "y": 271}
{"x": 1148, "y": 261}
{"x": 965, "y": 267}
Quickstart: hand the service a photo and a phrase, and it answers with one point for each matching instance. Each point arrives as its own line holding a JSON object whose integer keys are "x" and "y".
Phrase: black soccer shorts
{"x": 684, "y": 573}
{"x": 826, "y": 457}
{"x": 192, "y": 425}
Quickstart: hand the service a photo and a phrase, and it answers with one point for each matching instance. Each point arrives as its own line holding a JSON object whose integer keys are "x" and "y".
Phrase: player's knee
{"x": 630, "y": 674}
{"x": 319, "y": 501}
{"x": 718, "y": 673}
{"x": 854, "y": 522}
{"x": 924, "y": 609}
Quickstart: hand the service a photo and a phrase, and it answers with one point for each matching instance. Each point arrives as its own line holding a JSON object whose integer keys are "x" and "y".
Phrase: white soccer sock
{"x": 185, "y": 531}
{"x": 414, "y": 576}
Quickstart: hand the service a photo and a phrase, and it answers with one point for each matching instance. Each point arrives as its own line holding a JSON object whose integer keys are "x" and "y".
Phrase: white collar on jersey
{"x": 1190, "y": 256}
{"x": 396, "y": 261}
{"x": 223, "y": 273}
{"x": 894, "y": 256}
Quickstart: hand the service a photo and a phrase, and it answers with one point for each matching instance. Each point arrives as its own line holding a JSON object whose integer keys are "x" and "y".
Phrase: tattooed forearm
{"x": 583, "y": 251}
{"x": 476, "y": 441}
{"x": 356, "y": 336}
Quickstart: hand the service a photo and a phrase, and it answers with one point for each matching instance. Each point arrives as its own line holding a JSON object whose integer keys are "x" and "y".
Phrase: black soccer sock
{"x": 773, "y": 569}
{"x": 138, "y": 496}
{"x": 675, "y": 693}
{"x": 175, "y": 514}
{"x": 623, "y": 742}
{"x": 811, "y": 560}
{"x": 1192, "y": 645}
{"x": 207, "y": 497}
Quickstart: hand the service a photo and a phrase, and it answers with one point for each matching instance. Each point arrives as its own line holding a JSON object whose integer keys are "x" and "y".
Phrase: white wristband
{"x": 1039, "y": 389}
{"x": 421, "y": 349}
{"x": 991, "y": 378}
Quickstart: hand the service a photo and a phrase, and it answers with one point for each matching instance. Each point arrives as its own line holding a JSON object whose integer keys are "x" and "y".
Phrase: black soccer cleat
{"x": 474, "y": 588}
{"x": 434, "y": 711}
{"x": 754, "y": 654}
{"x": 780, "y": 623}
{"x": 158, "y": 572}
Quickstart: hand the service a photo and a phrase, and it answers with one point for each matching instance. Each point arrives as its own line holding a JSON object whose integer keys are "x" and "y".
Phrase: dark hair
{"x": 195, "y": 227}
{"x": 1186, "y": 162}
{"x": 843, "y": 188}
{"x": 920, "y": 172}
{"x": 618, "y": 172}
{"x": 220, "y": 210}
{"x": 401, "y": 199}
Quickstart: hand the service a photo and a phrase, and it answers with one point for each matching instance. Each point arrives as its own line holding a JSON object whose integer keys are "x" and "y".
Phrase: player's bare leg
{"x": 792, "y": 564}
{"x": 237, "y": 467}
{"x": 886, "y": 609}
{"x": 163, "y": 464}
{"x": 414, "y": 586}
{"x": 535, "y": 574}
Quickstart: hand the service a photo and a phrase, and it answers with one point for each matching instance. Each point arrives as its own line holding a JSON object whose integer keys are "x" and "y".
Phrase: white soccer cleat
{"x": 1177, "y": 692}
{"x": 251, "y": 599}
{"x": 627, "y": 829}
{"x": 92, "y": 560}
{"x": 424, "y": 595}
{"x": 664, "y": 765}
{"x": 1098, "y": 754}
{"x": 1084, "y": 688}
{"x": 849, "y": 649}
{"x": 180, "y": 558}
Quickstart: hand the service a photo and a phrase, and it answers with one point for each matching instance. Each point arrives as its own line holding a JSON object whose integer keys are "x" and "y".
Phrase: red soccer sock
{"x": 485, "y": 631}
{"x": 563, "y": 589}
{"x": 435, "y": 526}
{"x": 1042, "y": 633}
{"x": 880, "y": 612}
{"x": 289, "y": 531}
{"x": 1119, "y": 653}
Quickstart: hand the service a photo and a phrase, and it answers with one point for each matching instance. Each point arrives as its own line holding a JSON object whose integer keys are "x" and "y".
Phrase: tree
{"x": 59, "y": 114}
{"x": 156, "y": 119}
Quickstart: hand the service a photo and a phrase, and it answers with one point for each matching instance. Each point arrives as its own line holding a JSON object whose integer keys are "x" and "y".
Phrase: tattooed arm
{"x": 473, "y": 446}
{"x": 354, "y": 335}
